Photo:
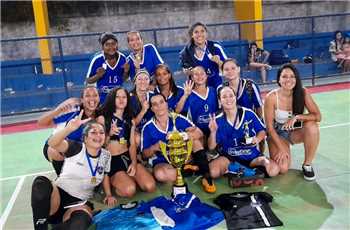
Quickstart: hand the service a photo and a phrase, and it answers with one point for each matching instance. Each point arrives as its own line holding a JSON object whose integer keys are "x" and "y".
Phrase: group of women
{"x": 108, "y": 142}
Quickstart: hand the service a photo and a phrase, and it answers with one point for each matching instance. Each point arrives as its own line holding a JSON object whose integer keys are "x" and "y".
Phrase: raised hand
{"x": 213, "y": 126}
{"x": 68, "y": 105}
{"x": 115, "y": 130}
{"x": 75, "y": 123}
{"x": 188, "y": 85}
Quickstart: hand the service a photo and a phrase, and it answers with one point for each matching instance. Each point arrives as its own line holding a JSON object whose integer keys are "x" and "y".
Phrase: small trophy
{"x": 177, "y": 153}
{"x": 248, "y": 140}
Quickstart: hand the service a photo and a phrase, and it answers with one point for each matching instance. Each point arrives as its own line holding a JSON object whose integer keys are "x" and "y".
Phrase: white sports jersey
{"x": 76, "y": 175}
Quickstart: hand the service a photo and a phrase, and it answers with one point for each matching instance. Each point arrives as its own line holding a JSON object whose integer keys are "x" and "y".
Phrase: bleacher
{"x": 25, "y": 89}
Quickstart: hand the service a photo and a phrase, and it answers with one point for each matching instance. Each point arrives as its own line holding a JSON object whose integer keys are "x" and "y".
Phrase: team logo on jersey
{"x": 100, "y": 169}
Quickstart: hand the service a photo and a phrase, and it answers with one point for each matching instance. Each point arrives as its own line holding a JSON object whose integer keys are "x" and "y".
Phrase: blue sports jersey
{"x": 198, "y": 108}
{"x": 122, "y": 218}
{"x": 247, "y": 96}
{"x": 112, "y": 77}
{"x": 124, "y": 132}
{"x": 62, "y": 120}
{"x": 185, "y": 211}
{"x": 212, "y": 69}
{"x": 150, "y": 60}
{"x": 172, "y": 99}
{"x": 151, "y": 134}
{"x": 231, "y": 138}
{"x": 137, "y": 107}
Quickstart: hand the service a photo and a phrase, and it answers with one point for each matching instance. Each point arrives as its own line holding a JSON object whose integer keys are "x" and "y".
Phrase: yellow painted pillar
{"x": 250, "y": 10}
{"x": 42, "y": 29}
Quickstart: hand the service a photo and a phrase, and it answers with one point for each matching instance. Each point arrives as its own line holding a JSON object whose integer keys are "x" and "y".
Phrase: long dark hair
{"x": 173, "y": 87}
{"x": 108, "y": 108}
{"x": 298, "y": 90}
{"x": 191, "y": 28}
{"x": 335, "y": 38}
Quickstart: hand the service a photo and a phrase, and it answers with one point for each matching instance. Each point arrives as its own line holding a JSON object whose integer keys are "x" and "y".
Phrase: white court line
{"x": 335, "y": 125}
{"x": 25, "y": 175}
{"x": 11, "y": 202}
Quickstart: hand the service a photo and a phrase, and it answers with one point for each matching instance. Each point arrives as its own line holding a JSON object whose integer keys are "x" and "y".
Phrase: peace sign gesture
{"x": 115, "y": 130}
{"x": 213, "y": 126}
{"x": 75, "y": 123}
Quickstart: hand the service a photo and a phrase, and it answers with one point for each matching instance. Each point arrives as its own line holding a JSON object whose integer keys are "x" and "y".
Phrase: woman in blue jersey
{"x": 64, "y": 202}
{"x": 157, "y": 130}
{"x": 142, "y": 56}
{"x": 287, "y": 123}
{"x": 63, "y": 113}
{"x": 165, "y": 85}
{"x": 126, "y": 173}
{"x": 237, "y": 131}
{"x": 203, "y": 52}
{"x": 106, "y": 69}
{"x": 201, "y": 102}
{"x": 247, "y": 92}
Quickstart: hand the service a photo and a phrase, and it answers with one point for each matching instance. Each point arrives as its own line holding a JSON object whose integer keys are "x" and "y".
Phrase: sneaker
{"x": 240, "y": 170}
{"x": 308, "y": 172}
{"x": 208, "y": 185}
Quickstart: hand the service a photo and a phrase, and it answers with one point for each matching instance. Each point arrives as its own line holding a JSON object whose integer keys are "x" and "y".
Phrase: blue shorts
{"x": 285, "y": 134}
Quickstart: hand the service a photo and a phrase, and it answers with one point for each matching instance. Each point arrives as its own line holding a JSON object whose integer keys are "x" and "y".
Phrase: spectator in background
{"x": 106, "y": 69}
{"x": 141, "y": 56}
{"x": 336, "y": 48}
{"x": 202, "y": 52}
{"x": 346, "y": 57}
{"x": 258, "y": 59}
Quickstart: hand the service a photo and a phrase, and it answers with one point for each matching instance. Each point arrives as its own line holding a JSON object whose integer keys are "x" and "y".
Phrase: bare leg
{"x": 218, "y": 167}
{"x": 271, "y": 166}
{"x": 273, "y": 150}
{"x": 164, "y": 172}
{"x": 145, "y": 179}
{"x": 124, "y": 185}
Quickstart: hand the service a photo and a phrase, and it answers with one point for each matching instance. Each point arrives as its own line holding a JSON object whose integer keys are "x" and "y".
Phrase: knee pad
{"x": 41, "y": 190}
{"x": 79, "y": 220}
{"x": 40, "y": 201}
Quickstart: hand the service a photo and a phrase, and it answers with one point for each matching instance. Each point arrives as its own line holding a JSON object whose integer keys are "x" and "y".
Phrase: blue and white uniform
{"x": 172, "y": 99}
{"x": 61, "y": 122}
{"x": 184, "y": 211}
{"x": 137, "y": 107}
{"x": 188, "y": 59}
{"x": 113, "y": 75}
{"x": 150, "y": 60}
{"x": 248, "y": 94}
{"x": 199, "y": 108}
{"x": 231, "y": 138}
{"x": 152, "y": 134}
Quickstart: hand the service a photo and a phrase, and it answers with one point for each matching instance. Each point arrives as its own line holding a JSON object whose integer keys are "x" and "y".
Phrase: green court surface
{"x": 322, "y": 204}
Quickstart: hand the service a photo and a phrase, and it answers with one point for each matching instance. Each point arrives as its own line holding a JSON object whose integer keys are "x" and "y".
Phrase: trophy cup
{"x": 247, "y": 139}
{"x": 177, "y": 151}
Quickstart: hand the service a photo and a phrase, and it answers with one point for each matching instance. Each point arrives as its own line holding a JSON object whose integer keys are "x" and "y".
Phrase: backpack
{"x": 278, "y": 57}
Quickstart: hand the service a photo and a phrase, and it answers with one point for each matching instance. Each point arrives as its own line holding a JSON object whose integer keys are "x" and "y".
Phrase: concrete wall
{"x": 122, "y": 16}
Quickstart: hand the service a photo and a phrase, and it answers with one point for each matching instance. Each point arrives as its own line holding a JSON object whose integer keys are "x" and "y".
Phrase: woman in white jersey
{"x": 287, "y": 123}
{"x": 64, "y": 202}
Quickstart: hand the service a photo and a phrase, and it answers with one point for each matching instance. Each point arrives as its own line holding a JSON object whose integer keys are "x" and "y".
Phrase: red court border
{"x": 32, "y": 125}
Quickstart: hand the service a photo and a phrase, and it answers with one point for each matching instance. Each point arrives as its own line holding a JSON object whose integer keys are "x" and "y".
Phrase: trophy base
{"x": 179, "y": 190}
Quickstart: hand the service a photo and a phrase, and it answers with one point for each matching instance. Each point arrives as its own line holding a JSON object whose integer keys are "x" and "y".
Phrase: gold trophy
{"x": 177, "y": 151}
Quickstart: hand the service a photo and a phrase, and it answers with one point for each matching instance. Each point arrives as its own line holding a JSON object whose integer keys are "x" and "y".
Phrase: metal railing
{"x": 71, "y": 58}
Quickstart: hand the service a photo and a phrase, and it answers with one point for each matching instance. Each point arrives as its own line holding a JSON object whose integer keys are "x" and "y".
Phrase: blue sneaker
{"x": 240, "y": 170}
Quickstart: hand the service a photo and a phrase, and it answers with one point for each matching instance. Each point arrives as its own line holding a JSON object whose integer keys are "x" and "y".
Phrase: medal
{"x": 92, "y": 170}
{"x": 122, "y": 141}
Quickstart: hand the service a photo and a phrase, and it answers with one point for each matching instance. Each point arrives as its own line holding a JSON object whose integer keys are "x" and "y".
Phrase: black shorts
{"x": 45, "y": 148}
{"x": 66, "y": 200}
{"x": 120, "y": 163}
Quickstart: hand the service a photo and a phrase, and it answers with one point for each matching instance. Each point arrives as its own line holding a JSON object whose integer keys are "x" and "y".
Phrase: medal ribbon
{"x": 93, "y": 171}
